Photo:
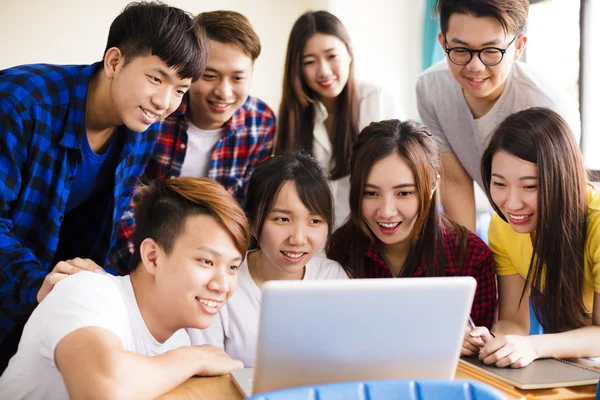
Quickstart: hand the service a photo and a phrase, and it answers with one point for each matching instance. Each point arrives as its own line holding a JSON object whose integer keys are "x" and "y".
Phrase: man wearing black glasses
{"x": 463, "y": 99}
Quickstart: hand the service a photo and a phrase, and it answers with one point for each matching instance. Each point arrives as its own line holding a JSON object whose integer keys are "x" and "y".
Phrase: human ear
{"x": 520, "y": 44}
{"x": 113, "y": 61}
{"x": 149, "y": 253}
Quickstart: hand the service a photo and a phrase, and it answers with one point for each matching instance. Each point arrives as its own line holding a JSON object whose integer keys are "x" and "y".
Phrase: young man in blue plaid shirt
{"x": 73, "y": 140}
{"x": 219, "y": 131}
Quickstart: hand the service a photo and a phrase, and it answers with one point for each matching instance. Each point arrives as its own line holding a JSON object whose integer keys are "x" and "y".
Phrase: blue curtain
{"x": 432, "y": 51}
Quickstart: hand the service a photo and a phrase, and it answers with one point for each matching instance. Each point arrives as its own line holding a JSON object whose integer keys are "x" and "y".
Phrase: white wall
{"x": 386, "y": 36}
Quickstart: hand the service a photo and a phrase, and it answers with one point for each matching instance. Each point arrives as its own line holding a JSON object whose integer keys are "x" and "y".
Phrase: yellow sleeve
{"x": 498, "y": 235}
{"x": 592, "y": 247}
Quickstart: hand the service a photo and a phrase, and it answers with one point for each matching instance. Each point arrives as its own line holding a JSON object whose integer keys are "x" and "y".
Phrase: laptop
{"x": 314, "y": 332}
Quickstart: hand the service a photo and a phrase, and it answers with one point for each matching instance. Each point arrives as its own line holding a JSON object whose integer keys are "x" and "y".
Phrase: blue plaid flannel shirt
{"x": 42, "y": 122}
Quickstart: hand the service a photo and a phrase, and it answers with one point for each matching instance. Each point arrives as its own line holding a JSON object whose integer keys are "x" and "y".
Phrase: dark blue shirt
{"x": 42, "y": 124}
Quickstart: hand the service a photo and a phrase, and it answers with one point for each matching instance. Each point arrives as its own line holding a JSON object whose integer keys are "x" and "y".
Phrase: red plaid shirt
{"x": 247, "y": 140}
{"x": 478, "y": 263}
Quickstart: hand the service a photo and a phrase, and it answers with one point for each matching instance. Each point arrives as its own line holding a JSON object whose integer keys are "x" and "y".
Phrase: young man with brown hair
{"x": 219, "y": 131}
{"x": 109, "y": 337}
{"x": 73, "y": 140}
{"x": 461, "y": 100}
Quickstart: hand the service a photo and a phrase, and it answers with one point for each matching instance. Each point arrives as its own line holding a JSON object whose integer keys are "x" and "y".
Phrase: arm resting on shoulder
{"x": 94, "y": 364}
{"x": 457, "y": 192}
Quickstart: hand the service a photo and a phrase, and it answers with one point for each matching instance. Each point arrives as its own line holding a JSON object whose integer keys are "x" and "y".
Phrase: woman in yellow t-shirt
{"x": 546, "y": 243}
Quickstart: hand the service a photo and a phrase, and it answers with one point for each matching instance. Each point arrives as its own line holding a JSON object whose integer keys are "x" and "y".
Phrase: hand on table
{"x": 216, "y": 361}
{"x": 63, "y": 269}
{"x": 513, "y": 351}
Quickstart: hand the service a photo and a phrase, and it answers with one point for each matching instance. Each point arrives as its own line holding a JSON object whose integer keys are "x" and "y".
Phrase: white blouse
{"x": 375, "y": 104}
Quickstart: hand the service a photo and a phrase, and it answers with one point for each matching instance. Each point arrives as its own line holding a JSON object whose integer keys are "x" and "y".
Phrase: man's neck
{"x": 100, "y": 117}
{"x": 150, "y": 306}
{"x": 481, "y": 106}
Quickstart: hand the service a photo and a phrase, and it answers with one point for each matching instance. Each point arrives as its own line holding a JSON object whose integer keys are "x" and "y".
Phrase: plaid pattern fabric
{"x": 247, "y": 140}
{"x": 478, "y": 263}
{"x": 42, "y": 122}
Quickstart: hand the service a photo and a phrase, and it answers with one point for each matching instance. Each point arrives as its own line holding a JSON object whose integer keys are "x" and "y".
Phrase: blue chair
{"x": 389, "y": 390}
{"x": 598, "y": 391}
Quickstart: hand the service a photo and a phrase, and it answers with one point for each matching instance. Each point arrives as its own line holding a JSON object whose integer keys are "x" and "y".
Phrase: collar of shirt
{"x": 75, "y": 126}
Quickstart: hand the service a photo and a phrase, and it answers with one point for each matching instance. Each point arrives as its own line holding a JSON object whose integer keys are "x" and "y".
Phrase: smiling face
{"x": 390, "y": 201}
{"x": 143, "y": 91}
{"x": 478, "y": 81}
{"x": 291, "y": 234}
{"x": 326, "y": 65}
{"x": 199, "y": 275}
{"x": 223, "y": 87}
{"x": 514, "y": 189}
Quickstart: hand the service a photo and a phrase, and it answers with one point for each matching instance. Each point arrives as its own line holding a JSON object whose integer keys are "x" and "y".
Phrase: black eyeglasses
{"x": 489, "y": 56}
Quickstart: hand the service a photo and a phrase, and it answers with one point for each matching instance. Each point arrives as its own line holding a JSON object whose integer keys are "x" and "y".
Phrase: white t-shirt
{"x": 82, "y": 300}
{"x": 236, "y": 328}
{"x": 375, "y": 104}
{"x": 200, "y": 144}
{"x": 447, "y": 116}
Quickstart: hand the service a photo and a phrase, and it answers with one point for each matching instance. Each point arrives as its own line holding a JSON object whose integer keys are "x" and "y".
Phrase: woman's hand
{"x": 474, "y": 340}
{"x": 513, "y": 351}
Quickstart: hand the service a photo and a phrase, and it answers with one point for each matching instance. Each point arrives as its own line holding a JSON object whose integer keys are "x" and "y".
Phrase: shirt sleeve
{"x": 504, "y": 265}
{"x": 263, "y": 151}
{"x": 480, "y": 264}
{"x": 428, "y": 116}
{"x": 593, "y": 247}
{"x": 21, "y": 274}
{"x": 85, "y": 299}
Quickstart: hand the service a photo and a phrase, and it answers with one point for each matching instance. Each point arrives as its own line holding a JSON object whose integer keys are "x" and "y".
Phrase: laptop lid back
{"x": 314, "y": 332}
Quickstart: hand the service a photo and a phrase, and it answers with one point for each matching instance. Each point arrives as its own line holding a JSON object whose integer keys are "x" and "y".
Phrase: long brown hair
{"x": 297, "y": 110}
{"x": 556, "y": 268}
{"x": 413, "y": 143}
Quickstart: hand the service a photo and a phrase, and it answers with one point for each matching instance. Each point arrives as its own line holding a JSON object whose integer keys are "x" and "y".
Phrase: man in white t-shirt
{"x": 219, "y": 131}
{"x": 97, "y": 335}
{"x": 461, "y": 100}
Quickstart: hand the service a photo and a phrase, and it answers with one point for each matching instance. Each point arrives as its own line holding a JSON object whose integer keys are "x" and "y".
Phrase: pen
{"x": 471, "y": 323}
{"x": 472, "y": 326}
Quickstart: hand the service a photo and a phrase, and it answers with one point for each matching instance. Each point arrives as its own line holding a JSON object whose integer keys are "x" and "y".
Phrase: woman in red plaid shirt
{"x": 395, "y": 228}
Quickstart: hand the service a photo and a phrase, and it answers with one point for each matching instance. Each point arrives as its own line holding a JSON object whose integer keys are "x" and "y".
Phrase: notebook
{"x": 314, "y": 332}
{"x": 541, "y": 374}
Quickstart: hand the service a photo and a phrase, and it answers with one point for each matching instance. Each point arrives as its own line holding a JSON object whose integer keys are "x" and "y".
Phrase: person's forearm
{"x": 506, "y": 327}
{"x": 459, "y": 203}
{"x": 132, "y": 376}
{"x": 582, "y": 342}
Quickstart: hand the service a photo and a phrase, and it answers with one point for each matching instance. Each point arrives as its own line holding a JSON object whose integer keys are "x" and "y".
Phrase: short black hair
{"x": 154, "y": 28}
{"x": 269, "y": 177}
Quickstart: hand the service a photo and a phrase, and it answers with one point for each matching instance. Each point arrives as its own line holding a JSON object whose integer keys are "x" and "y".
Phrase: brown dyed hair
{"x": 297, "y": 110}
{"x": 169, "y": 33}
{"x": 542, "y": 137}
{"x": 268, "y": 178}
{"x": 415, "y": 145}
{"x": 163, "y": 205}
{"x": 231, "y": 27}
{"x": 512, "y": 14}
